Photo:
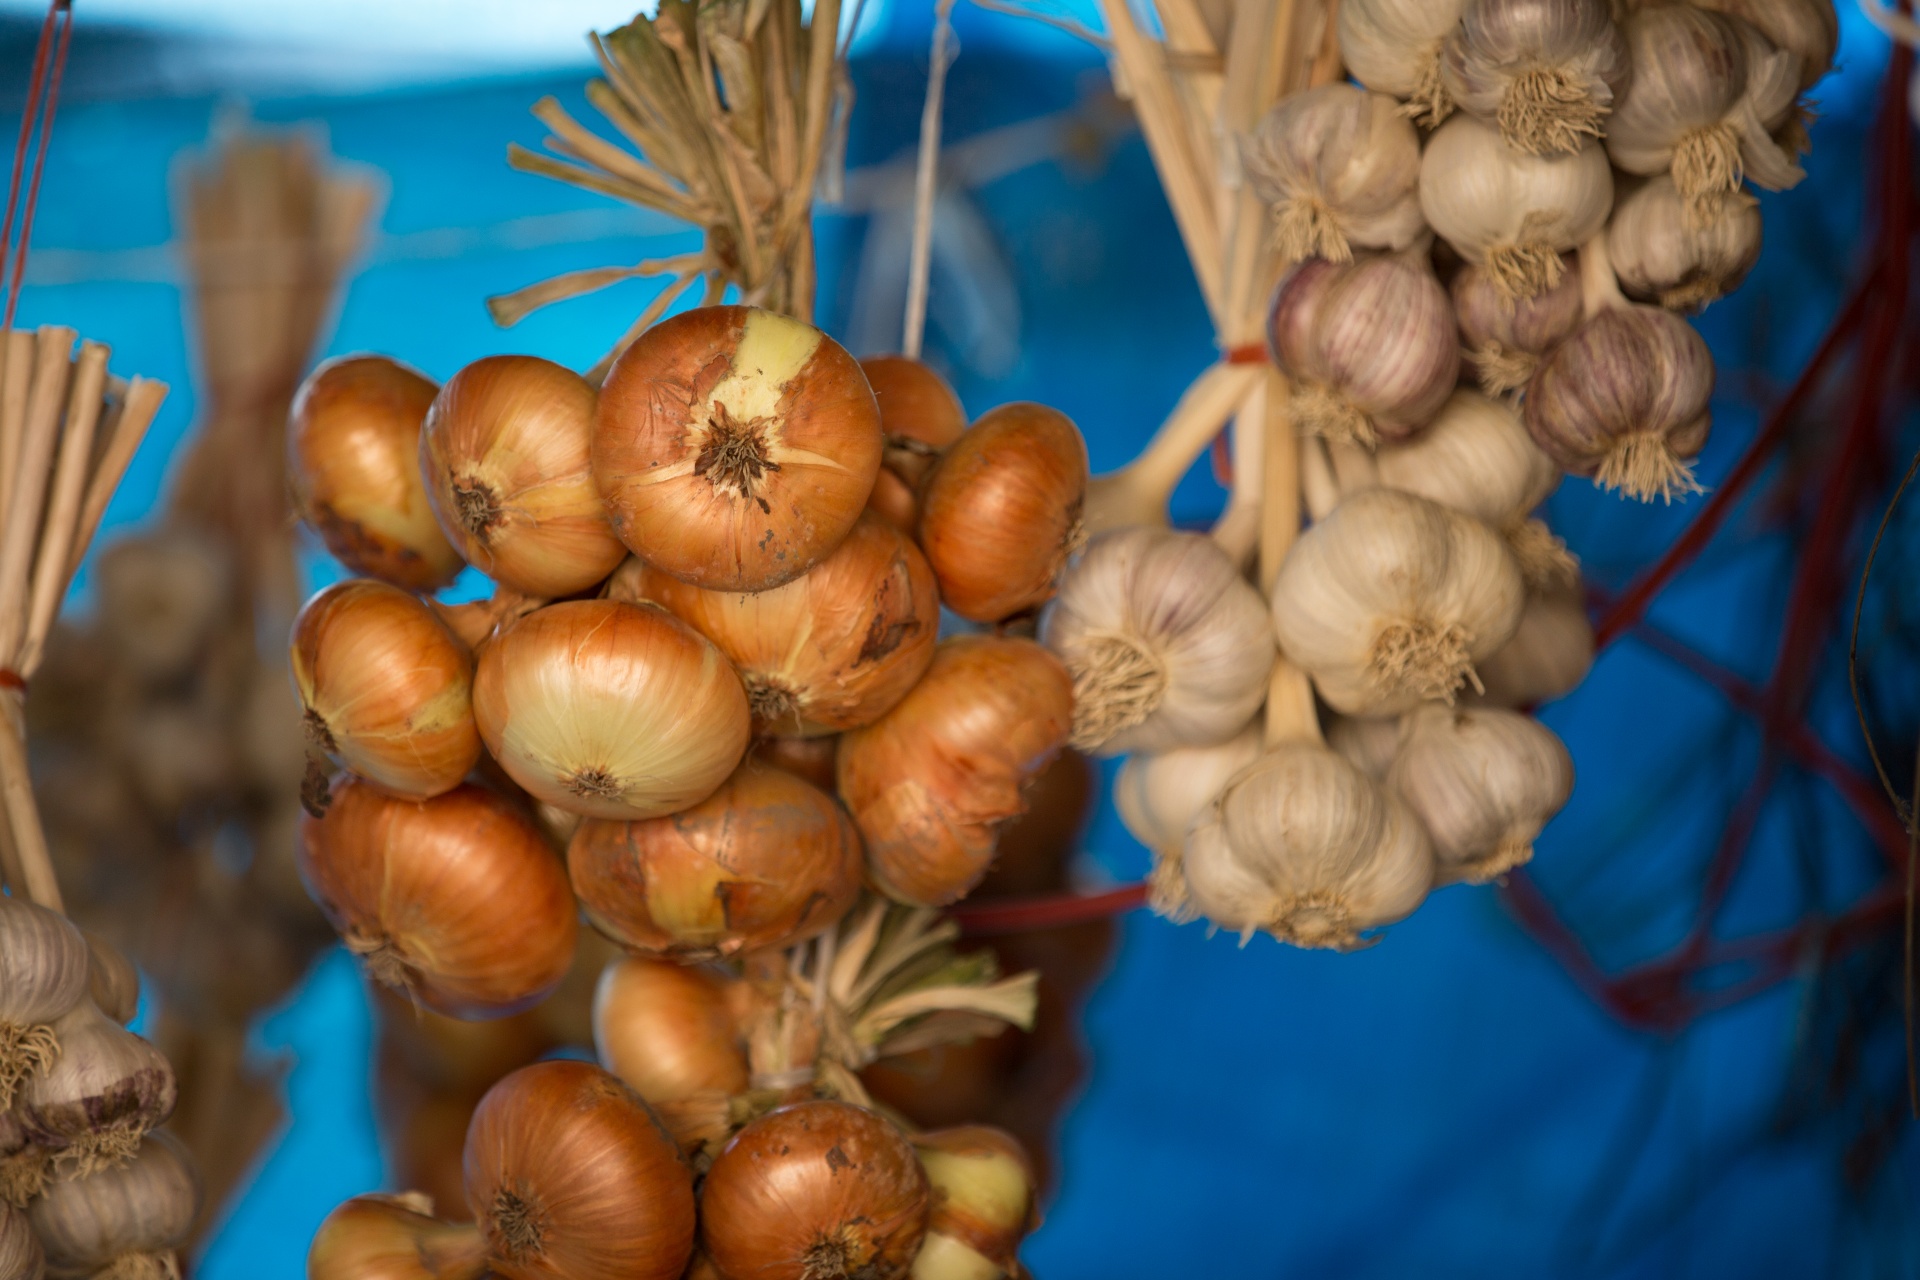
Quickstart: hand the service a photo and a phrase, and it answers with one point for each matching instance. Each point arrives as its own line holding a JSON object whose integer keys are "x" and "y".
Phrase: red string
{"x": 29, "y": 115}
{"x": 11, "y": 679}
{"x": 1251, "y": 353}
{"x": 45, "y": 132}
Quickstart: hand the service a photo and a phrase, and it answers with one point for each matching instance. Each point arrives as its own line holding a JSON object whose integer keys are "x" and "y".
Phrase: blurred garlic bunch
{"x": 1544, "y": 71}
{"x": 1339, "y": 168}
{"x": 1678, "y": 254}
{"x": 1394, "y": 47}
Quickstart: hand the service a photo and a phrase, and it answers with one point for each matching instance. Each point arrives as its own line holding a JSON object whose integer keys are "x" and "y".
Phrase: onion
{"x": 610, "y": 710}
{"x": 353, "y": 464}
{"x": 121, "y": 1223}
{"x": 107, "y": 1090}
{"x": 931, "y": 781}
{"x": 572, "y": 1177}
{"x": 983, "y": 1188}
{"x": 921, "y": 416}
{"x": 834, "y": 648}
{"x": 394, "y": 1238}
{"x": 457, "y": 900}
{"x": 809, "y": 758}
{"x": 819, "y": 1190}
{"x": 387, "y": 689}
{"x": 735, "y": 447}
{"x": 1001, "y": 513}
{"x": 666, "y": 1029}
{"x": 766, "y": 861}
{"x": 505, "y": 455}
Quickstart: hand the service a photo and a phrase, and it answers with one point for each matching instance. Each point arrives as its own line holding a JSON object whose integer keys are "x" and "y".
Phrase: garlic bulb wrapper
{"x": 1371, "y": 346}
{"x": 1679, "y": 255}
{"x": 1302, "y": 845}
{"x": 766, "y": 861}
{"x": 1625, "y": 401}
{"x": 20, "y": 1255}
{"x": 457, "y": 900}
{"x": 1550, "y": 652}
{"x": 124, "y": 1222}
{"x": 1338, "y": 167}
{"x": 931, "y": 781}
{"x": 1368, "y": 743}
{"x": 1478, "y": 459}
{"x": 834, "y": 648}
{"x": 1512, "y": 213}
{"x": 505, "y": 456}
{"x": 1504, "y": 337}
{"x": 1391, "y": 599}
{"x": 1167, "y": 644}
{"x": 668, "y": 1031}
{"x": 43, "y": 974}
{"x": 112, "y": 980}
{"x": 1001, "y": 512}
{"x": 386, "y": 688}
{"x": 815, "y": 1191}
{"x": 1483, "y": 782}
{"x": 572, "y": 1177}
{"x": 610, "y": 710}
{"x": 735, "y": 447}
{"x": 919, "y": 416}
{"x": 1394, "y": 47}
{"x": 983, "y": 1204}
{"x": 1543, "y": 71}
{"x": 381, "y": 1237}
{"x": 107, "y": 1090}
{"x": 353, "y": 468}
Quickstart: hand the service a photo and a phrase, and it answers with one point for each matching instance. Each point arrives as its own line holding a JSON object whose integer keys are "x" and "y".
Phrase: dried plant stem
{"x": 1290, "y": 711}
{"x": 1238, "y": 529}
{"x": 50, "y": 574}
{"x": 127, "y": 428}
{"x": 925, "y": 176}
{"x": 16, "y": 373}
{"x": 23, "y": 815}
{"x": 45, "y": 399}
{"x": 1138, "y": 492}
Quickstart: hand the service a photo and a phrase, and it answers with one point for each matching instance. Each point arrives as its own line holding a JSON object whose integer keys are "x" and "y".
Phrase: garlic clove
{"x": 1543, "y": 71}
{"x": 123, "y": 1221}
{"x": 1680, "y": 254}
{"x": 1476, "y": 458}
{"x": 1337, "y": 167}
{"x": 1369, "y": 743}
{"x": 1483, "y": 782}
{"x": 1158, "y": 796}
{"x": 1394, "y": 47}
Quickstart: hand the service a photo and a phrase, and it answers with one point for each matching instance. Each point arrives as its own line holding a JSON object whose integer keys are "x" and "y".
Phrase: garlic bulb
{"x": 20, "y": 1256}
{"x": 1544, "y": 71}
{"x": 1371, "y": 347}
{"x": 1550, "y": 652}
{"x": 23, "y": 1166}
{"x": 1808, "y": 29}
{"x": 1688, "y": 108}
{"x": 1503, "y": 338}
{"x": 1478, "y": 458}
{"x": 1160, "y": 795}
{"x": 44, "y": 972}
{"x": 1624, "y": 400}
{"x": 1682, "y": 258}
{"x": 1509, "y": 212}
{"x": 1483, "y": 782}
{"x": 108, "y": 1089}
{"x": 1392, "y": 599}
{"x": 1369, "y": 743}
{"x": 122, "y": 1223}
{"x": 1167, "y": 644}
{"x": 1304, "y": 846}
{"x": 1338, "y": 167}
{"x": 1393, "y": 47}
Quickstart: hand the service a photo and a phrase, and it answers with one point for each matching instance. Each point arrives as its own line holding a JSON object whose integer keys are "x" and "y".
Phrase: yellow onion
{"x": 819, "y": 1190}
{"x": 394, "y": 1238}
{"x": 353, "y": 464}
{"x": 1001, "y": 512}
{"x": 766, "y": 861}
{"x": 505, "y": 456}
{"x": 932, "y": 780}
{"x": 983, "y": 1189}
{"x": 835, "y": 647}
{"x": 572, "y": 1177}
{"x": 107, "y": 1090}
{"x": 809, "y": 758}
{"x": 735, "y": 447}
{"x": 610, "y": 710}
{"x": 668, "y": 1031}
{"x": 123, "y": 1222}
{"x": 386, "y": 688}
{"x": 457, "y": 900}
{"x": 921, "y": 416}
{"x": 475, "y": 622}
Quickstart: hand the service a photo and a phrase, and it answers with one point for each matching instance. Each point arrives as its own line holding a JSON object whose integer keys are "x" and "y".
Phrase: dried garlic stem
{"x": 1291, "y": 715}
{"x": 1238, "y": 530}
{"x": 1308, "y": 227}
{"x": 1706, "y": 162}
{"x": 1430, "y": 660}
{"x": 1547, "y": 109}
{"x": 1643, "y": 466}
{"x": 1138, "y": 492}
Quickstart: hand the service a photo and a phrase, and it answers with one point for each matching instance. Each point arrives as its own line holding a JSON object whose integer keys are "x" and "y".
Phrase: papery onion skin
{"x": 379, "y": 1237}
{"x": 610, "y": 710}
{"x": 983, "y": 1187}
{"x": 809, "y": 758}
{"x": 505, "y": 456}
{"x": 1001, "y": 513}
{"x": 670, "y": 1031}
{"x": 573, "y": 1177}
{"x": 353, "y": 465}
{"x": 818, "y": 1190}
{"x": 735, "y": 447}
{"x": 386, "y": 688}
{"x": 931, "y": 781}
{"x": 458, "y": 900}
{"x": 143, "y": 1207}
{"x": 833, "y": 649}
{"x": 766, "y": 861}
{"x": 921, "y": 416}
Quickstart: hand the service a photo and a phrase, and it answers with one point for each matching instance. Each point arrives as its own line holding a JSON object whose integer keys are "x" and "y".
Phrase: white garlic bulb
{"x": 1304, "y": 846}
{"x": 1510, "y": 212}
{"x": 1503, "y": 338}
{"x": 1550, "y": 652}
{"x": 1544, "y": 71}
{"x": 1369, "y": 743}
{"x": 1477, "y": 458}
{"x": 1158, "y": 797}
{"x": 1392, "y": 599}
{"x": 1338, "y": 167}
{"x": 1483, "y": 782}
{"x": 1168, "y": 645}
{"x": 1393, "y": 47}
{"x": 1808, "y": 29}
{"x": 1682, "y": 258}
{"x": 1701, "y": 84}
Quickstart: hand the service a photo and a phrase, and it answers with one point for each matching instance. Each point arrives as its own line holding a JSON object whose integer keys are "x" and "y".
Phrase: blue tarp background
{"x": 1446, "y": 1104}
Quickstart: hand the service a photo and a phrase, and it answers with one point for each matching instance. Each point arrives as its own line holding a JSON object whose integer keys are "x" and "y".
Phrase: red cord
{"x": 18, "y": 274}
